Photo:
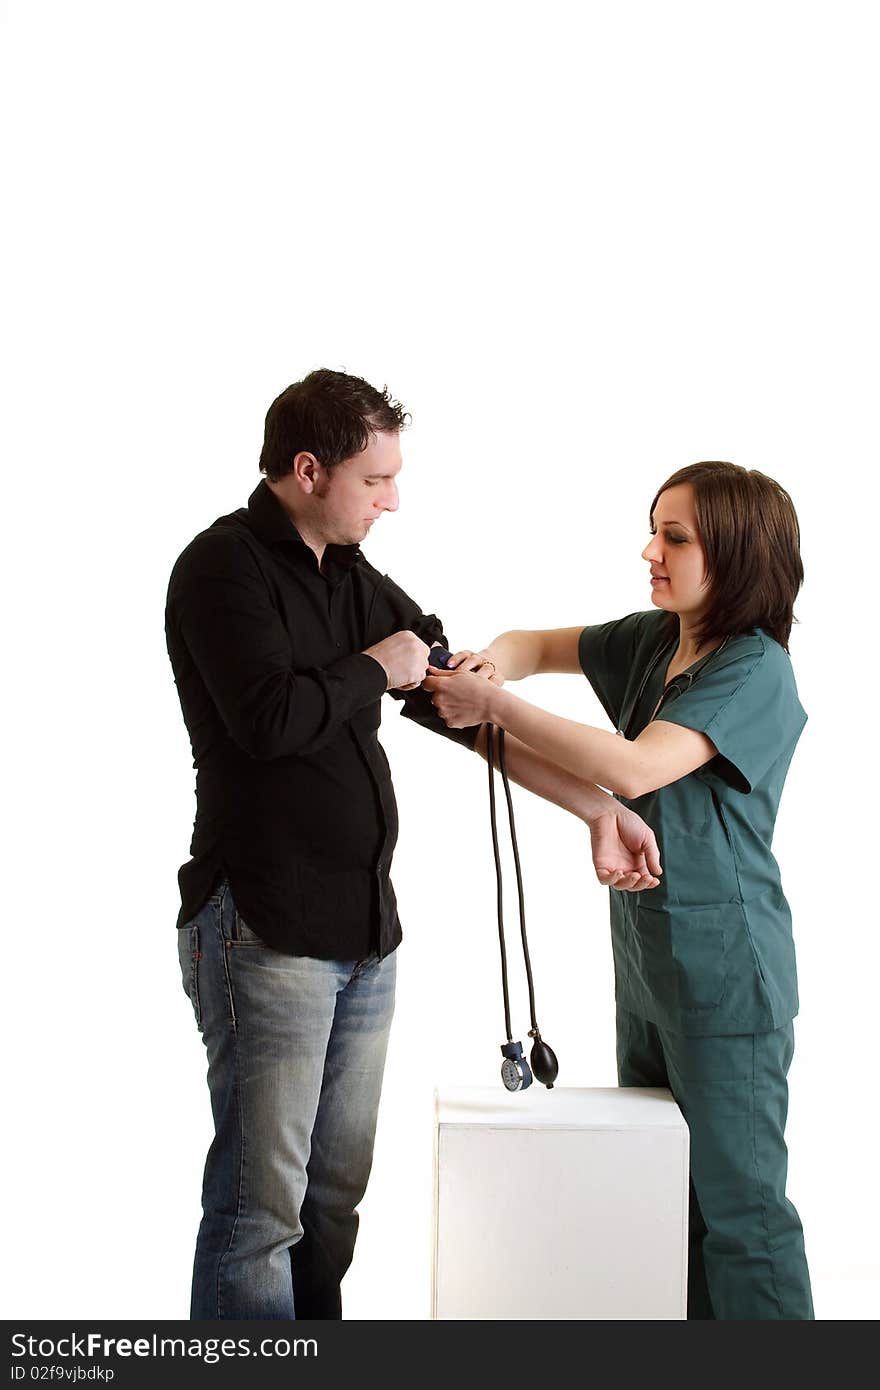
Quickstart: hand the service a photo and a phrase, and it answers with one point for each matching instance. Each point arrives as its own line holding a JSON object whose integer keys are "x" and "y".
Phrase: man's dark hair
{"x": 750, "y": 533}
{"x": 329, "y": 414}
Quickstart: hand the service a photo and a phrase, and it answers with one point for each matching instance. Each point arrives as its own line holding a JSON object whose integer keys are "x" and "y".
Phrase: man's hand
{"x": 404, "y": 658}
{"x": 625, "y": 854}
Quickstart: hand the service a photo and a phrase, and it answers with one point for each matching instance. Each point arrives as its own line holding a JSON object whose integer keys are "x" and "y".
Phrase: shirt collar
{"x": 271, "y": 524}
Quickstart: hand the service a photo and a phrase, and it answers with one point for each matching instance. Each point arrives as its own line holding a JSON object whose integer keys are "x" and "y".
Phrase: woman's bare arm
{"x": 661, "y": 754}
{"x": 624, "y": 850}
{"x": 518, "y": 654}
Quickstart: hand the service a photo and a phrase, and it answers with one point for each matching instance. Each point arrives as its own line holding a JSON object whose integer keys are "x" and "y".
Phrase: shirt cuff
{"x": 365, "y": 678}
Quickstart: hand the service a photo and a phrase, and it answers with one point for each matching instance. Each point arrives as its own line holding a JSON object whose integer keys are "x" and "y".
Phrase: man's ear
{"x": 307, "y": 471}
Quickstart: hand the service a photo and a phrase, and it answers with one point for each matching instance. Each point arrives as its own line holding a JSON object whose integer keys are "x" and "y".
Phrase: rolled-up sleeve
{"x": 417, "y": 704}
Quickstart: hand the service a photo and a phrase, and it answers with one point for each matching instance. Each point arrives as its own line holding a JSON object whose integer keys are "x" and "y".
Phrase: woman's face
{"x": 676, "y": 556}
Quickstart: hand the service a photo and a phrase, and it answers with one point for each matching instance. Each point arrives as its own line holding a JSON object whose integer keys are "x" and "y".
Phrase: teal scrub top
{"x": 709, "y": 951}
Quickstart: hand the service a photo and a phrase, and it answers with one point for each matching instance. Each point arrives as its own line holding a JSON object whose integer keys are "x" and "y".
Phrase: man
{"x": 282, "y": 639}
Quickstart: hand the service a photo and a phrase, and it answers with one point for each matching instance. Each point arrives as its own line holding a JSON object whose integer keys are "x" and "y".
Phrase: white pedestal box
{"x": 560, "y": 1204}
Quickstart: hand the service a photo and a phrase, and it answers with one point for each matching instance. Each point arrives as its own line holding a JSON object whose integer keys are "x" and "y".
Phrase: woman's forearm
{"x": 623, "y": 848}
{"x": 516, "y": 654}
{"x": 591, "y": 755}
{"x": 661, "y": 754}
{"x": 546, "y": 779}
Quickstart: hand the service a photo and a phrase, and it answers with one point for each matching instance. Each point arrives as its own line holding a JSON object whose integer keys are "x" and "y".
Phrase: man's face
{"x": 357, "y": 491}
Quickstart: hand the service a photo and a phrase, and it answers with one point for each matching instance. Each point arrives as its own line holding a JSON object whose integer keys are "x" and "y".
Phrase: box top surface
{"x": 563, "y": 1107}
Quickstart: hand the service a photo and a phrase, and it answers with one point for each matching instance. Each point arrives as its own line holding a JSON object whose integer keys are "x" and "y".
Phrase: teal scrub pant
{"x": 746, "y": 1244}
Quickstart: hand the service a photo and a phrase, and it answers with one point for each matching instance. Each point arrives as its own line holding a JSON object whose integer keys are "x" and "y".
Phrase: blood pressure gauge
{"x": 515, "y": 1071}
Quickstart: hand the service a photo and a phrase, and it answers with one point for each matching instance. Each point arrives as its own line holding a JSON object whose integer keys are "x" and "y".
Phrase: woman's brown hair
{"x": 751, "y": 538}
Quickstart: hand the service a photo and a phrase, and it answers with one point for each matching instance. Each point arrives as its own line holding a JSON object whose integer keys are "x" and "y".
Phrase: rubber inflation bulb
{"x": 545, "y": 1067}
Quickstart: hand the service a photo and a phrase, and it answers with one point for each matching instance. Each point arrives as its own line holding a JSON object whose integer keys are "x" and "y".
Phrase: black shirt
{"x": 293, "y": 791}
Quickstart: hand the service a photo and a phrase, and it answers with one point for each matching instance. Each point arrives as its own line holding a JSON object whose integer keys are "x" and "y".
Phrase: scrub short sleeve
{"x": 607, "y": 654}
{"x": 747, "y": 705}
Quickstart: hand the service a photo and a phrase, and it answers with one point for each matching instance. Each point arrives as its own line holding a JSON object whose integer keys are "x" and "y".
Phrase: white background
{"x": 584, "y": 244}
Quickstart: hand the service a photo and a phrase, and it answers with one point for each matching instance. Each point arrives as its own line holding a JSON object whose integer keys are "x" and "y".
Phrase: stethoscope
{"x": 679, "y": 685}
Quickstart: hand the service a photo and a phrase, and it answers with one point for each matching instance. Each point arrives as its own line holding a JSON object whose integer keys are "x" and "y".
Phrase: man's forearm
{"x": 546, "y": 779}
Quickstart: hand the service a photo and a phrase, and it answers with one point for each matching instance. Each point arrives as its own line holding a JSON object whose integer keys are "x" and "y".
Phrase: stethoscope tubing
{"x": 502, "y": 764}
{"x": 679, "y": 685}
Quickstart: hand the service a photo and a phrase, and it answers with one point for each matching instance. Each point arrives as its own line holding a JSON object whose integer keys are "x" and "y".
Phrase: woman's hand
{"x": 625, "y": 854}
{"x": 461, "y": 698}
{"x": 481, "y": 663}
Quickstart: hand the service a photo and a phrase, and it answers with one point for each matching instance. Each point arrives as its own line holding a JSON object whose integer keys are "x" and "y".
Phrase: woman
{"x": 701, "y": 694}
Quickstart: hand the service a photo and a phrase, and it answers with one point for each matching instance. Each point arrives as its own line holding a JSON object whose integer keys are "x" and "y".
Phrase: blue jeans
{"x": 296, "y": 1050}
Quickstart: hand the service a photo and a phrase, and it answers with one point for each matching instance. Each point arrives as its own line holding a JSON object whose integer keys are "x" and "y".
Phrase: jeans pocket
{"x": 189, "y": 955}
{"x": 244, "y": 935}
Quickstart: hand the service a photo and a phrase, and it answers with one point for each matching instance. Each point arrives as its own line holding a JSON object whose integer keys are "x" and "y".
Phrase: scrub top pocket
{"x": 684, "y": 956}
